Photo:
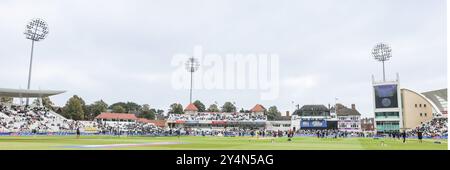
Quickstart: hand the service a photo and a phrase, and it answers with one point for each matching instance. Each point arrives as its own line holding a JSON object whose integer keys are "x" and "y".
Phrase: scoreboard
{"x": 386, "y": 96}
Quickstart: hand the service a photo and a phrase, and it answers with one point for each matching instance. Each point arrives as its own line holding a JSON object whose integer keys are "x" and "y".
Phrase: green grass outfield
{"x": 208, "y": 142}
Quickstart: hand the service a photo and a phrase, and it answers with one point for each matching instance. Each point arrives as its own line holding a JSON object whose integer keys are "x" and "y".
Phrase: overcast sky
{"x": 121, "y": 50}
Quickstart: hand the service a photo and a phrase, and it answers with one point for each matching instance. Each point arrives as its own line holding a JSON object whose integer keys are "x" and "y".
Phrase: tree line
{"x": 176, "y": 108}
{"x": 77, "y": 109}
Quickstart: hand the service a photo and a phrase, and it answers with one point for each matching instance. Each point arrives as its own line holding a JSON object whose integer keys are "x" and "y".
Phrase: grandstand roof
{"x": 439, "y": 98}
{"x": 312, "y": 110}
{"x": 282, "y": 118}
{"x": 28, "y": 93}
{"x": 258, "y": 108}
{"x": 191, "y": 107}
{"x": 143, "y": 120}
{"x": 117, "y": 116}
{"x": 320, "y": 107}
{"x": 159, "y": 123}
{"x": 344, "y": 111}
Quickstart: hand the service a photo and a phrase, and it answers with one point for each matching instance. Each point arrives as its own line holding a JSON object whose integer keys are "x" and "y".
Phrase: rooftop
{"x": 18, "y": 93}
{"x": 344, "y": 111}
{"x": 439, "y": 98}
{"x": 191, "y": 107}
{"x": 258, "y": 108}
{"x": 312, "y": 110}
{"x": 117, "y": 116}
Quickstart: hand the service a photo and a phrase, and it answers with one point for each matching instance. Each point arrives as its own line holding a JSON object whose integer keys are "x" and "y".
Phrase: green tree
{"x": 273, "y": 113}
{"x": 6, "y": 100}
{"x": 176, "y": 108}
{"x": 118, "y": 109}
{"x": 47, "y": 103}
{"x": 129, "y": 107}
{"x": 117, "y": 103}
{"x": 132, "y": 107}
{"x": 145, "y": 107}
{"x": 122, "y": 104}
{"x": 228, "y": 107}
{"x": 200, "y": 106}
{"x": 96, "y": 108}
{"x": 83, "y": 104}
{"x": 213, "y": 108}
{"x": 160, "y": 112}
{"x": 88, "y": 114}
{"x": 74, "y": 108}
{"x": 36, "y": 102}
{"x": 148, "y": 114}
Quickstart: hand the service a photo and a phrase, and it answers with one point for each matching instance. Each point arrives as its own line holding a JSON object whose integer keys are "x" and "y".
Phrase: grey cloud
{"x": 121, "y": 50}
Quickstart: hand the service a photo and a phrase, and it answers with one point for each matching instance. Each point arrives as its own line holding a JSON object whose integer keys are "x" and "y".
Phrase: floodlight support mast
{"x": 335, "y": 106}
{"x": 30, "y": 68}
{"x": 31, "y": 63}
{"x": 36, "y": 30}
{"x": 191, "y": 66}
{"x": 190, "y": 92}
{"x": 384, "y": 76}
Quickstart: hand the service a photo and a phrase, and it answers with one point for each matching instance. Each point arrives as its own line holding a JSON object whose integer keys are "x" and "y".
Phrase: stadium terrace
{"x": 193, "y": 119}
{"x": 309, "y": 120}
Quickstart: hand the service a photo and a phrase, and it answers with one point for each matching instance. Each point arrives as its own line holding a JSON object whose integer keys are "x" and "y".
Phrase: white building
{"x": 312, "y": 117}
{"x": 283, "y": 125}
{"x": 191, "y": 109}
{"x": 258, "y": 109}
{"x": 348, "y": 118}
{"x": 387, "y": 105}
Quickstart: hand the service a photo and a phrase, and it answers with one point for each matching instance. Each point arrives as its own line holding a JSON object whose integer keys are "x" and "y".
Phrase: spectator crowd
{"x": 203, "y": 116}
{"x": 437, "y": 127}
{"x": 41, "y": 120}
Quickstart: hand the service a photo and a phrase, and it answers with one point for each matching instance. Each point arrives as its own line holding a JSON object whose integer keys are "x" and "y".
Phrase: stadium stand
{"x": 218, "y": 116}
{"x": 436, "y": 128}
{"x": 40, "y": 120}
{"x": 18, "y": 119}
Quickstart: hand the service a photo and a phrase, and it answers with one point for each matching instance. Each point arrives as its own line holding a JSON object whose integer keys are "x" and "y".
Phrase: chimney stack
{"x": 287, "y": 113}
{"x": 353, "y": 107}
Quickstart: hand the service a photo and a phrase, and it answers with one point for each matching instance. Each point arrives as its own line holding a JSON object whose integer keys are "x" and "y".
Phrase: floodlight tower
{"x": 36, "y": 30}
{"x": 192, "y": 65}
{"x": 382, "y": 52}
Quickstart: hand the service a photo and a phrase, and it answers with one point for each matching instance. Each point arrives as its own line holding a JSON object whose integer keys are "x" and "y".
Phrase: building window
{"x": 425, "y": 114}
{"x": 420, "y": 105}
{"x": 386, "y": 115}
{"x": 416, "y": 105}
{"x": 424, "y": 105}
{"x": 420, "y": 114}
